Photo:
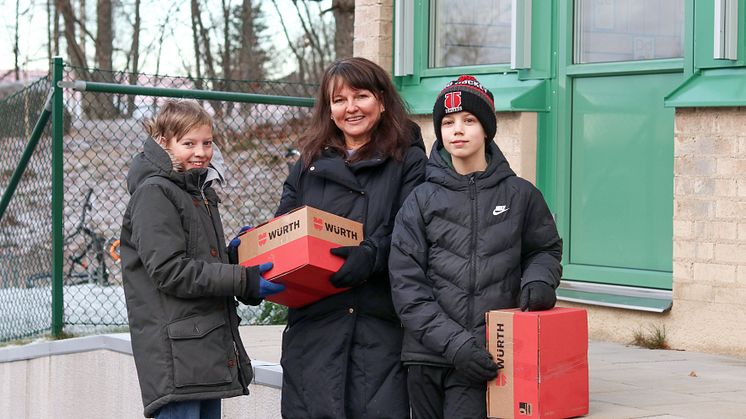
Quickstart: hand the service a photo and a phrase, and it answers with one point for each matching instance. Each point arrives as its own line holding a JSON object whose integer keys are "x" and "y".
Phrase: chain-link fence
{"x": 25, "y": 252}
{"x": 102, "y": 131}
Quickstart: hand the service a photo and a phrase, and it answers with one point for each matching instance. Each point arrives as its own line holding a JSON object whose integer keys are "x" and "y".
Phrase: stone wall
{"x": 374, "y": 31}
{"x": 709, "y": 223}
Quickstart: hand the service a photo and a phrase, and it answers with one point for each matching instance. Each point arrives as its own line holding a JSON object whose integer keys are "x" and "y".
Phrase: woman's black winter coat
{"x": 464, "y": 245}
{"x": 341, "y": 355}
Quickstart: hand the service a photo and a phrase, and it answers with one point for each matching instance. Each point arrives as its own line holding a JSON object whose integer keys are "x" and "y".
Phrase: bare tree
{"x": 251, "y": 56}
{"x": 201, "y": 38}
{"x": 311, "y": 49}
{"x": 74, "y": 51}
{"x": 344, "y": 27}
{"x": 16, "y": 51}
{"x": 134, "y": 57}
{"x": 105, "y": 109}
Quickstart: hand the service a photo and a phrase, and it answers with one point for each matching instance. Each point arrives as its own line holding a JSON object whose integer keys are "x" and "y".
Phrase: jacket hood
{"x": 416, "y": 135}
{"x": 441, "y": 172}
{"x": 155, "y": 161}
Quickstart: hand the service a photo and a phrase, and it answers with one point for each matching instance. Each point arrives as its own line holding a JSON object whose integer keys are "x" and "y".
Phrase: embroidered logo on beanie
{"x": 466, "y": 94}
{"x": 453, "y": 102}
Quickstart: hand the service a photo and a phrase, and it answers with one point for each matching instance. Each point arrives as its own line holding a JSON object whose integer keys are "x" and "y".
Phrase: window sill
{"x": 511, "y": 94}
{"x": 710, "y": 88}
{"x": 628, "y": 298}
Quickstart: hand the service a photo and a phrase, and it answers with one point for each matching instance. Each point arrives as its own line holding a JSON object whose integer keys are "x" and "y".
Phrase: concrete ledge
{"x": 265, "y": 373}
{"x": 629, "y": 298}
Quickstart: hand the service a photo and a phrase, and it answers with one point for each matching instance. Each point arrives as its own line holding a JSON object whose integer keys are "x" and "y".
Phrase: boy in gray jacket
{"x": 474, "y": 237}
{"x": 178, "y": 284}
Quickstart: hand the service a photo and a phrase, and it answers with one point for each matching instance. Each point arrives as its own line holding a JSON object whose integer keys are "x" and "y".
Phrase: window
{"x": 628, "y": 30}
{"x": 469, "y": 33}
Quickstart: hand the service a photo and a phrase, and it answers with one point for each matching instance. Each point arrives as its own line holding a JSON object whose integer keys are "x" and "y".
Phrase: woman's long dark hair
{"x": 389, "y": 137}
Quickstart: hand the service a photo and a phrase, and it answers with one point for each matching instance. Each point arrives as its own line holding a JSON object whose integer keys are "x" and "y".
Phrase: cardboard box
{"x": 298, "y": 244}
{"x": 544, "y": 355}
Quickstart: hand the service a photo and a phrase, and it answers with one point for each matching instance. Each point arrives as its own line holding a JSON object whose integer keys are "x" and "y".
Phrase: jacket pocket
{"x": 201, "y": 351}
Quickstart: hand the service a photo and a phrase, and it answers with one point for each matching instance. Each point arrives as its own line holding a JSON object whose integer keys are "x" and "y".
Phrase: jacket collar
{"x": 440, "y": 172}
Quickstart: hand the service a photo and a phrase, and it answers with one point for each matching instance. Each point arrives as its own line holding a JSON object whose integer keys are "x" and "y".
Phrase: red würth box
{"x": 298, "y": 244}
{"x": 544, "y": 358}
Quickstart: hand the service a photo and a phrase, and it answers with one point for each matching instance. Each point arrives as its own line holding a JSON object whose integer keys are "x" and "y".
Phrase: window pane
{"x": 469, "y": 32}
{"x": 628, "y": 30}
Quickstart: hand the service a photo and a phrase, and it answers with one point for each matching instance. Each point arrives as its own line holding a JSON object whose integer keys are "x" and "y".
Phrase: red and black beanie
{"x": 466, "y": 95}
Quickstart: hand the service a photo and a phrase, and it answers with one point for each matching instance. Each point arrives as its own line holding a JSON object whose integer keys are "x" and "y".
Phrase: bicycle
{"x": 87, "y": 265}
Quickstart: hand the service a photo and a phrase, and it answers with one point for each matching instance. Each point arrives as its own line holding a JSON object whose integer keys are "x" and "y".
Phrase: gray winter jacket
{"x": 464, "y": 245}
{"x": 179, "y": 287}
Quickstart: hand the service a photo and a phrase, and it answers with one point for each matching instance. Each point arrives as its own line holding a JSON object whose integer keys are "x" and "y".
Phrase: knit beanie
{"x": 466, "y": 94}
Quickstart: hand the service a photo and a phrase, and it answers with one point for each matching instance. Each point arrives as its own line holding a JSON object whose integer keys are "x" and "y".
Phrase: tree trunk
{"x": 104, "y": 107}
{"x": 82, "y": 22}
{"x": 195, "y": 40}
{"x": 247, "y": 38}
{"x": 134, "y": 57}
{"x": 226, "y": 55}
{"x": 344, "y": 22}
{"x": 207, "y": 54}
{"x": 74, "y": 52}
{"x": 16, "y": 51}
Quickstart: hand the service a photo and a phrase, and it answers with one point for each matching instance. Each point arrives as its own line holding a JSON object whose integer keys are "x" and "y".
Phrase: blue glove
{"x": 232, "y": 249}
{"x": 267, "y": 288}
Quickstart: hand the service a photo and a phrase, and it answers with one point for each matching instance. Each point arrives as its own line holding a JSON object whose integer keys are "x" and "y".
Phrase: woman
{"x": 360, "y": 159}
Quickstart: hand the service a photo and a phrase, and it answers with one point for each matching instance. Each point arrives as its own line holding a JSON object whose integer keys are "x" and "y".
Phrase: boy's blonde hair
{"x": 175, "y": 119}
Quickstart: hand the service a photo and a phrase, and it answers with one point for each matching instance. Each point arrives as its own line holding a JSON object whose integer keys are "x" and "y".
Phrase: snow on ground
{"x": 88, "y": 309}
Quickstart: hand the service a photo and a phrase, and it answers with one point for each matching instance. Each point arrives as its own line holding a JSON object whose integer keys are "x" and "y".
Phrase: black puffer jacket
{"x": 341, "y": 355}
{"x": 464, "y": 245}
{"x": 179, "y": 288}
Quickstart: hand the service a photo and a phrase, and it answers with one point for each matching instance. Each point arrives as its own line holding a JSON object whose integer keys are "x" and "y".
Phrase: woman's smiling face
{"x": 355, "y": 112}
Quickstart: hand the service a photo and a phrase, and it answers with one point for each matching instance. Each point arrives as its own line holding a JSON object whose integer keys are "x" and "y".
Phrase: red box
{"x": 544, "y": 355}
{"x": 298, "y": 245}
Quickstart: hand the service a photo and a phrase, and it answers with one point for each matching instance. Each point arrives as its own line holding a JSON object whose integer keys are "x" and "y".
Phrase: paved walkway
{"x": 625, "y": 381}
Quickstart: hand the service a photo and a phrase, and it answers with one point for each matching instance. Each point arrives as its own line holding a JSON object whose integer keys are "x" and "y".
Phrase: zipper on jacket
{"x": 473, "y": 263}
{"x": 207, "y": 204}
{"x": 238, "y": 358}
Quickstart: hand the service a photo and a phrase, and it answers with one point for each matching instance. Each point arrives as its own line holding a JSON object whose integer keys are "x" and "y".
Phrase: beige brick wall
{"x": 709, "y": 254}
{"x": 374, "y": 31}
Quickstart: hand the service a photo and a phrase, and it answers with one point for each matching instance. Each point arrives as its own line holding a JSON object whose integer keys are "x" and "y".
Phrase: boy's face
{"x": 463, "y": 135}
{"x": 194, "y": 149}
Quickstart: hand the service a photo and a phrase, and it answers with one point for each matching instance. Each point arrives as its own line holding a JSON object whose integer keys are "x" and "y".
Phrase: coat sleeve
{"x": 161, "y": 243}
{"x": 541, "y": 246}
{"x": 290, "y": 198}
{"x": 413, "y": 174}
{"x": 412, "y": 290}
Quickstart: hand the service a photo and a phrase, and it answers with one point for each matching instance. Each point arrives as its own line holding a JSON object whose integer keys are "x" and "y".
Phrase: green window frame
{"x": 514, "y": 90}
{"x": 712, "y": 82}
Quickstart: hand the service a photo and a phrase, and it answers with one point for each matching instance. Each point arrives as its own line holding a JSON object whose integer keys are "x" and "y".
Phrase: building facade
{"x": 628, "y": 115}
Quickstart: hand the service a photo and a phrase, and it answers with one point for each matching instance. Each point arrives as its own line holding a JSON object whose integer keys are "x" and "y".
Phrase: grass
{"x": 654, "y": 337}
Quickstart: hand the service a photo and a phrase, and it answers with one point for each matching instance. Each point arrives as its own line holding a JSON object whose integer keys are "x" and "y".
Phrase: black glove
{"x": 359, "y": 262}
{"x": 475, "y": 363}
{"x": 232, "y": 249}
{"x": 537, "y": 296}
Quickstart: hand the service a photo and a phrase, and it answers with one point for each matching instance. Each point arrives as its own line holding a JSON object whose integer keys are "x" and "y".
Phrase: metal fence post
{"x": 57, "y": 198}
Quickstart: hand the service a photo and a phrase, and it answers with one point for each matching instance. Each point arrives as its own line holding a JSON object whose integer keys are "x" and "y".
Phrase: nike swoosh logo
{"x": 499, "y": 210}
